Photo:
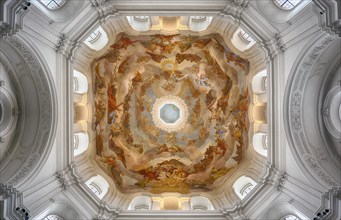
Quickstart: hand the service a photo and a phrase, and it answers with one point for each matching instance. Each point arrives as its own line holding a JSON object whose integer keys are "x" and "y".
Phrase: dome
{"x": 114, "y": 109}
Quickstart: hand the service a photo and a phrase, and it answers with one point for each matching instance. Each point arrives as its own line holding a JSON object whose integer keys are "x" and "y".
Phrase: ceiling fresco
{"x": 170, "y": 112}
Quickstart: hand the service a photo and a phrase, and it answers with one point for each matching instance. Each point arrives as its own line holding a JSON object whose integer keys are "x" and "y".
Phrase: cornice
{"x": 328, "y": 12}
{"x": 12, "y": 15}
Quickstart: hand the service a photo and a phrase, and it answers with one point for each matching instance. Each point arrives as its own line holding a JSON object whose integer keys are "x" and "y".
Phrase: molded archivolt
{"x": 309, "y": 83}
{"x": 36, "y": 125}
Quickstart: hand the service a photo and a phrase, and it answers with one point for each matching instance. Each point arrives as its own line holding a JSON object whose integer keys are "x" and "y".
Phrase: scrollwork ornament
{"x": 28, "y": 166}
{"x": 295, "y": 111}
{"x": 315, "y": 167}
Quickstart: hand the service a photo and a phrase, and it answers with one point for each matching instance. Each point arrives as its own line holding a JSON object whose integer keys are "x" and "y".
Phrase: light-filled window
{"x": 260, "y": 143}
{"x": 80, "y": 142}
{"x": 95, "y": 189}
{"x": 53, "y": 217}
{"x": 80, "y": 83}
{"x": 243, "y": 186}
{"x": 141, "y": 18}
{"x": 53, "y": 4}
{"x": 98, "y": 185}
{"x": 287, "y": 4}
{"x": 245, "y": 36}
{"x": 141, "y": 203}
{"x": 94, "y": 36}
{"x": 200, "y": 203}
{"x": 246, "y": 189}
{"x": 97, "y": 39}
{"x": 290, "y": 217}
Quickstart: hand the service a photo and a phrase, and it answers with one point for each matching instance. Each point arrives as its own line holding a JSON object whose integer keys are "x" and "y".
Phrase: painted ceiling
{"x": 170, "y": 112}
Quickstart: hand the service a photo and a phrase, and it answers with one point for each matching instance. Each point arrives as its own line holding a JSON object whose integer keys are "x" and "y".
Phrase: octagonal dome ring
{"x": 170, "y": 113}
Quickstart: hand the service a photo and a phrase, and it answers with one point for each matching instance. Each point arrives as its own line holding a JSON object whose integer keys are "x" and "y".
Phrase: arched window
{"x": 141, "y": 203}
{"x": 80, "y": 142}
{"x": 97, "y": 39}
{"x": 139, "y": 23}
{"x": 259, "y": 82}
{"x": 80, "y": 83}
{"x": 95, "y": 189}
{"x": 290, "y": 217}
{"x": 98, "y": 185}
{"x": 245, "y": 36}
{"x": 53, "y": 4}
{"x": 260, "y": 143}
{"x": 242, "y": 40}
{"x": 246, "y": 189}
{"x": 200, "y": 203}
{"x": 53, "y": 217}
{"x": 243, "y": 186}
{"x": 199, "y": 23}
{"x": 287, "y": 4}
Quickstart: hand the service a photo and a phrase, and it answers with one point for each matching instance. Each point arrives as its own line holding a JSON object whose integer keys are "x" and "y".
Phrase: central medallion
{"x": 170, "y": 113}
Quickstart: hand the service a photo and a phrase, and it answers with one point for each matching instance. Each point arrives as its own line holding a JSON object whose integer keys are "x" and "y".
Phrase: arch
{"x": 243, "y": 186}
{"x": 97, "y": 40}
{"x": 200, "y": 203}
{"x": 259, "y": 82}
{"x": 80, "y": 142}
{"x": 260, "y": 143}
{"x": 80, "y": 83}
{"x": 35, "y": 93}
{"x": 141, "y": 203}
{"x": 242, "y": 40}
{"x": 139, "y": 23}
{"x": 199, "y": 23}
{"x": 303, "y": 124}
{"x": 98, "y": 185}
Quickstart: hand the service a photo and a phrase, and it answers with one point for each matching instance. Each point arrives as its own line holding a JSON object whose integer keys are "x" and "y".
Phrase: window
{"x": 95, "y": 189}
{"x": 287, "y": 4}
{"x": 94, "y": 36}
{"x": 246, "y": 189}
{"x": 141, "y": 203}
{"x": 200, "y": 203}
{"x": 242, "y": 40}
{"x": 243, "y": 186}
{"x": 290, "y": 217}
{"x": 139, "y": 23}
{"x": 80, "y": 83}
{"x": 98, "y": 185}
{"x": 198, "y": 18}
{"x": 97, "y": 40}
{"x": 53, "y": 4}
{"x": 80, "y": 142}
{"x": 53, "y": 217}
{"x": 141, "y": 18}
{"x": 245, "y": 36}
